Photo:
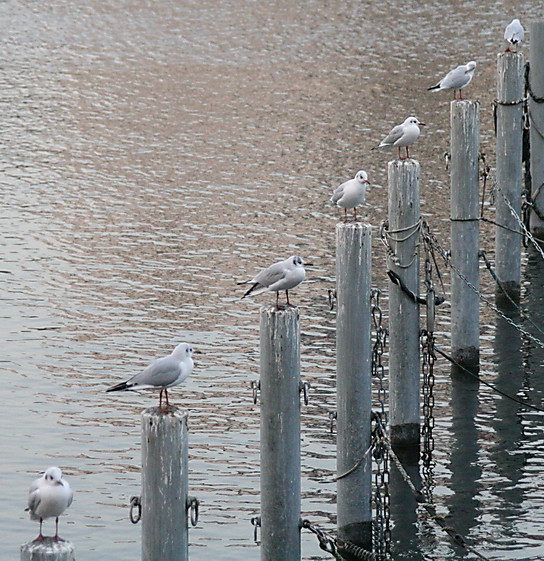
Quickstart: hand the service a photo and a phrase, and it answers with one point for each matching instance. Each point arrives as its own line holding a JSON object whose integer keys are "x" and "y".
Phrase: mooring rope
{"x": 493, "y": 387}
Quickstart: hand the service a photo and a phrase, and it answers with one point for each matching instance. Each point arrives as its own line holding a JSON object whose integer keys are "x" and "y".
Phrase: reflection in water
{"x": 464, "y": 504}
{"x": 156, "y": 152}
{"x": 406, "y": 539}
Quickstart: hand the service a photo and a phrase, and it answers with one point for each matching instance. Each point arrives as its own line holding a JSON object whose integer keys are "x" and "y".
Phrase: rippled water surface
{"x": 155, "y": 152}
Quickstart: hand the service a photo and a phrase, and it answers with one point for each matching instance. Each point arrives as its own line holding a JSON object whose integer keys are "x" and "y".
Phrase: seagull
{"x": 162, "y": 373}
{"x": 283, "y": 275}
{"x": 514, "y": 33}
{"x": 49, "y": 495}
{"x": 402, "y": 135}
{"x": 456, "y": 79}
{"x": 351, "y": 193}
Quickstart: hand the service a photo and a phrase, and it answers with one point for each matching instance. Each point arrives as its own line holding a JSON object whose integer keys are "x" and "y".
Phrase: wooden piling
{"x": 353, "y": 383}
{"x": 465, "y": 278}
{"x": 48, "y": 549}
{"x": 280, "y": 434}
{"x": 404, "y": 227}
{"x": 510, "y": 88}
{"x": 164, "y": 485}
{"x": 536, "y": 120}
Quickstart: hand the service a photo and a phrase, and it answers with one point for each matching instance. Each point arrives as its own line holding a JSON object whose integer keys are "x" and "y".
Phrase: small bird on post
{"x": 402, "y": 136}
{"x": 514, "y": 34}
{"x": 456, "y": 79}
{"x": 351, "y": 193}
{"x": 161, "y": 374}
{"x": 49, "y": 496}
{"x": 283, "y": 275}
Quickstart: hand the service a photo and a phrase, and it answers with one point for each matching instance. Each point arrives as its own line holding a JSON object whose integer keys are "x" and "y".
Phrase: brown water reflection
{"x": 155, "y": 152}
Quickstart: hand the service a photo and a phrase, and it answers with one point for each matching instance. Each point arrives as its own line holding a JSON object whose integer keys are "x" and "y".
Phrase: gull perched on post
{"x": 162, "y": 373}
{"x": 49, "y": 496}
{"x": 514, "y": 33}
{"x": 283, "y": 275}
{"x": 456, "y": 79}
{"x": 402, "y": 136}
{"x": 351, "y": 193}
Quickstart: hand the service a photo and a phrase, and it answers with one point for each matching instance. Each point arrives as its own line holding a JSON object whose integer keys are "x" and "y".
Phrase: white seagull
{"x": 49, "y": 496}
{"x": 283, "y": 275}
{"x": 456, "y": 79}
{"x": 514, "y": 33}
{"x": 351, "y": 193}
{"x": 162, "y": 373}
{"x": 402, "y": 136}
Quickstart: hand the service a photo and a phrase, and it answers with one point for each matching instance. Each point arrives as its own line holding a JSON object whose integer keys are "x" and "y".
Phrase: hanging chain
{"x": 427, "y": 365}
{"x": 382, "y": 519}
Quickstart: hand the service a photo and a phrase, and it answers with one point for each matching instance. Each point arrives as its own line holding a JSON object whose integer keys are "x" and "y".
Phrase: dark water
{"x": 155, "y": 152}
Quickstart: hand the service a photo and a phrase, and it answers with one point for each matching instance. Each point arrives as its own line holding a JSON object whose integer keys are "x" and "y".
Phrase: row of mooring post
{"x": 536, "y": 126}
{"x": 353, "y": 383}
{"x": 465, "y": 232}
{"x": 165, "y": 500}
{"x": 280, "y": 434}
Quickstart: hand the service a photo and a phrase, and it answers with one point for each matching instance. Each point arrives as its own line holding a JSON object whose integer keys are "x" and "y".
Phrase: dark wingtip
{"x": 250, "y": 290}
{"x": 118, "y": 387}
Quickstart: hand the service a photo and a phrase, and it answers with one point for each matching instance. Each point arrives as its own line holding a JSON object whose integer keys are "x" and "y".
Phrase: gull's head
{"x": 470, "y": 66}
{"x": 361, "y": 176}
{"x": 53, "y": 476}
{"x": 413, "y": 121}
{"x": 183, "y": 351}
{"x": 297, "y": 262}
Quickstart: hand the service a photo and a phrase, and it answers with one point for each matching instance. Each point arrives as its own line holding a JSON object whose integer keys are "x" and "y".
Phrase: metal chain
{"x": 427, "y": 366}
{"x": 513, "y": 303}
{"x": 386, "y": 238}
{"x": 486, "y": 301}
{"x": 382, "y": 519}
{"x": 523, "y": 227}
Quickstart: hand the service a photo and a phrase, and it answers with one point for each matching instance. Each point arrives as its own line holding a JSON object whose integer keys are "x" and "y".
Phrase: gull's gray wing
{"x": 271, "y": 275}
{"x": 34, "y": 499}
{"x": 338, "y": 193}
{"x": 455, "y": 79}
{"x": 161, "y": 372}
{"x": 393, "y": 136}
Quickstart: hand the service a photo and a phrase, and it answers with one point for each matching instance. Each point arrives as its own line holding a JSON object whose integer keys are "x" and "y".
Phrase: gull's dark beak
{"x": 308, "y": 264}
{"x": 422, "y": 125}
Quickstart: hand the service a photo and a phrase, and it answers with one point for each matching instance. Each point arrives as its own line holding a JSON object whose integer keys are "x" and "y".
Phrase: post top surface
{"x": 406, "y": 163}
{"x": 354, "y": 225}
{"x": 171, "y": 411}
{"x": 282, "y": 310}
{"x": 48, "y": 545}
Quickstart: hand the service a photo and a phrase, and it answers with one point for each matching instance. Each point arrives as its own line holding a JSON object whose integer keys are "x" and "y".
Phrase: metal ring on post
{"x": 135, "y": 502}
{"x": 304, "y": 387}
{"x": 192, "y": 506}
{"x": 332, "y": 297}
{"x": 256, "y": 523}
{"x": 255, "y": 387}
{"x": 333, "y": 415}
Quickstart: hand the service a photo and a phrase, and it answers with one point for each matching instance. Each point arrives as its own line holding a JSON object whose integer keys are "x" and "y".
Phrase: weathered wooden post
{"x": 404, "y": 228}
{"x": 353, "y": 383}
{"x": 280, "y": 434}
{"x": 465, "y": 277}
{"x": 536, "y": 118}
{"x": 48, "y": 550}
{"x": 510, "y": 88}
{"x": 164, "y": 485}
